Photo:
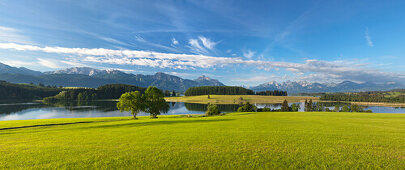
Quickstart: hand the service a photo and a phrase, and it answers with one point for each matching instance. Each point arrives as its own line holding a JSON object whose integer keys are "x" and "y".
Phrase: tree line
{"x": 110, "y": 91}
{"x": 229, "y": 90}
{"x": 218, "y": 90}
{"x": 272, "y": 93}
{"x": 365, "y": 97}
{"x": 11, "y": 91}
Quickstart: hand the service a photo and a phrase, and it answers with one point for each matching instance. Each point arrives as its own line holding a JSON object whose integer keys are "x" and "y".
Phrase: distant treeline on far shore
{"x": 11, "y": 91}
{"x": 394, "y": 96}
{"x": 110, "y": 91}
{"x": 229, "y": 90}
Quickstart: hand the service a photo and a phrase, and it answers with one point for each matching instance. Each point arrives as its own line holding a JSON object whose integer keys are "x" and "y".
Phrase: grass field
{"x": 234, "y": 141}
{"x": 235, "y": 99}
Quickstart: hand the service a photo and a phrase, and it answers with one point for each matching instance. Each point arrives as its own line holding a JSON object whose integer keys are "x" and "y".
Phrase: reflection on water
{"x": 33, "y": 110}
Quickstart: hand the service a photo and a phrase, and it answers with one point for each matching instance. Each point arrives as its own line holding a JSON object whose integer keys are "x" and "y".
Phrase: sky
{"x": 237, "y": 42}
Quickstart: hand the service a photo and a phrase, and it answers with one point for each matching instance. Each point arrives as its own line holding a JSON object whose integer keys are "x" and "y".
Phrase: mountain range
{"x": 90, "y": 77}
{"x": 294, "y": 87}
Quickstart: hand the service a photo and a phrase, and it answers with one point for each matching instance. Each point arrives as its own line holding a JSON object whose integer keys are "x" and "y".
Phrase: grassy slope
{"x": 255, "y": 140}
{"x": 234, "y": 99}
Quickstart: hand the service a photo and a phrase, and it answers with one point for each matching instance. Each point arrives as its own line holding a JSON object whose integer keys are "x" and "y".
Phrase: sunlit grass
{"x": 236, "y": 99}
{"x": 234, "y": 141}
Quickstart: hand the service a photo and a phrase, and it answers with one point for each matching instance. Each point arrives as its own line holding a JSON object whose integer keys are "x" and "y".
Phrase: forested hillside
{"x": 10, "y": 91}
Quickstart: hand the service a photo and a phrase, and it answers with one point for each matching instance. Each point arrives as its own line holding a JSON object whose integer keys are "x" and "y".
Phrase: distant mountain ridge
{"x": 293, "y": 87}
{"x": 90, "y": 77}
{"x": 21, "y": 70}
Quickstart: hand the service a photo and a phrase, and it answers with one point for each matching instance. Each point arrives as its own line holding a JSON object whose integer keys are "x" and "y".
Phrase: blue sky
{"x": 237, "y": 42}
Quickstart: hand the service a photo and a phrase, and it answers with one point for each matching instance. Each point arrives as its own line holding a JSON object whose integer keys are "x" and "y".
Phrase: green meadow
{"x": 233, "y": 141}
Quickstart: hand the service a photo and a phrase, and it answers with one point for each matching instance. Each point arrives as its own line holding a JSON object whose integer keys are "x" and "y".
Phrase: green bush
{"x": 265, "y": 109}
{"x": 247, "y": 108}
{"x": 212, "y": 109}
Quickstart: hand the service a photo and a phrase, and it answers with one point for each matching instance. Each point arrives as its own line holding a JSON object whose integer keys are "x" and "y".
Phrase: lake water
{"x": 33, "y": 110}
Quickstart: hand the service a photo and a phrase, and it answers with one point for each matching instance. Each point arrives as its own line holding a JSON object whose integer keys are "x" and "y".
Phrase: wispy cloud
{"x": 196, "y": 47}
{"x": 180, "y": 74}
{"x": 142, "y": 40}
{"x": 249, "y": 54}
{"x": 202, "y": 45}
{"x": 207, "y": 42}
{"x": 8, "y": 34}
{"x": 49, "y": 63}
{"x": 368, "y": 39}
{"x": 338, "y": 70}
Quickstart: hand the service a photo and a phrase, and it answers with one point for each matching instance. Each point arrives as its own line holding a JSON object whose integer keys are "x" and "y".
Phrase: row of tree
{"x": 229, "y": 90}
{"x": 247, "y": 107}
{"x": 170, "y": 93}
{"x": 272, "y": 93}
{"x": 24, "y": 91}
{"x": 366, "y": 97}
{"x": 309, "y": 107}
{"x": 110, "y": 91}
{"x": 320, "y": 107}
{"x": 218, "y": 90}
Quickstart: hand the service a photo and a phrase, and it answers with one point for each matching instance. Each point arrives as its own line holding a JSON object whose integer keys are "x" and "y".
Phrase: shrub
{"x": 247, "y": 108}
{"x": 265, "y": 109}
{"x": 212, "y": 109}
{"x": 369, "y": 111}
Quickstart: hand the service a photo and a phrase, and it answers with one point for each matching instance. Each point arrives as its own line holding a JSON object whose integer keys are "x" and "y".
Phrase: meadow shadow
{"x": 137, "y": 124}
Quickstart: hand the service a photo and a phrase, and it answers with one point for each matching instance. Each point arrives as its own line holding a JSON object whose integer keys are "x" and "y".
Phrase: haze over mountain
{"x": 90, "y": 77}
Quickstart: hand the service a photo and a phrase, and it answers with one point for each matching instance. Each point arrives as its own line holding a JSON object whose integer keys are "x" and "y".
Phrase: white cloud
{"x": 338, "y": 70}
{"x": 249, "y": 54}
{"x": 174, "y": 41}
{"x": 202, "y": 45}
{"x": 48, "y": 63}
{"x": 18, "y": 63}
{"x": 180, "y": 74}
{"x": 368, "y": 39}
{"x": 196, "y": 47}
{"x": 207, "y": 42}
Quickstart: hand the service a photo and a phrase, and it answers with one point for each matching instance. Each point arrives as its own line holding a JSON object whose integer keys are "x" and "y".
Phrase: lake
{"x": 34, "y": 110}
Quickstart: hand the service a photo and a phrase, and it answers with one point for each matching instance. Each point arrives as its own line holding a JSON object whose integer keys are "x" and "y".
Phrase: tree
{"x": 80, "y": 96}
{"x": 212, "y": 109}
{"x": 345, "y": 108}
{"x": 173, "y": 93}
{"x": 167, "y": 93}
{"x": 319, "y": 107}
{"x": 285, "y": 107}
{"x": 209, "y": 97}
{"x": 155, "y": 102}
{"x": 356, "y": 108}
{"x": 247, "y": 108}
{"x": 295, "y": 107}
{"x": 310, "y": 105}
{"x": 306, "y": 105}
{"x": 131, "y": 101}
{"x": 337, "y": 108}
